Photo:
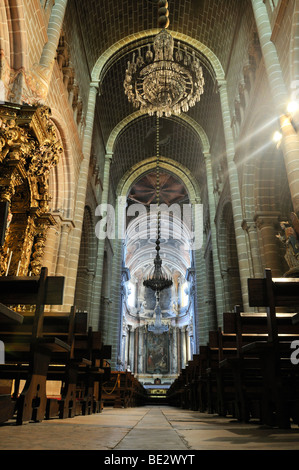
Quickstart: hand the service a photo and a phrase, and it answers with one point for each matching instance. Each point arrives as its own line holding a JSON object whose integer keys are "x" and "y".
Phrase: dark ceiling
{"x": 103, "y": 23}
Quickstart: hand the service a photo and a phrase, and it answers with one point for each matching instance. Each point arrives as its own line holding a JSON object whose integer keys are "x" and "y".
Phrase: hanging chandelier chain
{"x": 158, "y": 178}
{"x": 158, "y": 161}
{"x": 167, "y": 81}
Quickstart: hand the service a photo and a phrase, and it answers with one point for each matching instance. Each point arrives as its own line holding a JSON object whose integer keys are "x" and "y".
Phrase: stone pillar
{"x": 199, "y": 265}
{"x": 81, "y": 193}
{"x": 42, "y": 72}
{"x": 183, "y": 347}
{"x": 235, "y": 194}
{"x": 129, "y": 364}
{"x": 273, "y": 68}
{"x": 54, "y": 31}
{"x": 249, "y": 226}
{"x": 217, "y": 272}
{"x": 290, "y": 141}
{"x": 179, "y": 358}
{"x": 188, "y": 346}
{"x": 141, "y": 348}
{"x": 62, "y": 253}
{"x": 268, "y": 225}
{"x": 124, "y": 355}
{"x": 100, "y": 254}
{"x": 191, "y": 278}
{"x": 118, "y": 247}
{"x": 294, "y": 62}
{"x": 136, "y": 350}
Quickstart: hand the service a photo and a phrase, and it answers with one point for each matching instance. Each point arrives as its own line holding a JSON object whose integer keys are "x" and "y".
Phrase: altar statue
{"x": 290, "y": 239}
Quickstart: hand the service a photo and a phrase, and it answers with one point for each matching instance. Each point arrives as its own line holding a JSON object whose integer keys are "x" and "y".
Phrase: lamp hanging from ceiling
{"x": 158, "y": 281}
{"x": 167, "y": 81}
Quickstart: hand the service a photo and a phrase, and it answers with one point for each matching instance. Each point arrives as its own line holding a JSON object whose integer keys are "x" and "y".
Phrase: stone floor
{"x": 146, "y": 428}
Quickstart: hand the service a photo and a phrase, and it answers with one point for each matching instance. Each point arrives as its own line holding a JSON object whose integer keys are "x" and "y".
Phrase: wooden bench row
{"x": 123, "y": 390}
{"x": 246, "y": 369}
{"x": 43, "y": 347}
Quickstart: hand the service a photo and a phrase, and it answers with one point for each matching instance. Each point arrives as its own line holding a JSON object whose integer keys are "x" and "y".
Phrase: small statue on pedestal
{"x": 290, "y": 239}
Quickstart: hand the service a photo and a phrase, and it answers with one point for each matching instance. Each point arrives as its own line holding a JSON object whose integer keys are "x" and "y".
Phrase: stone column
{"x": 54, "y": 31}
{"x": 217, "y": 272}
{"x": 249, "y": 226}
{"x": 191, "y": 277}
{"x": 62, "y": 253}
{"x": 268, "y": 226}
{"x": 290, "y": 142}
{"x": 101, "y": 248}
{"x": 141, "y": 347}
{"x": 42, "y": 72}
{"x": 179, "y": 358}
{"x": 136, "y": 350}
{"x": 129, "y": 364}
{"x": 188, "y": 346}
{"x": 124, "y": 351}
{"x": 183, "y": 347}
{"x": 294, "y": 62}
{"x": 235, "y": 194}
{"x": 118, "y": 247}
{"x": 199, "y": 265}
{"x": 81, "y": 194}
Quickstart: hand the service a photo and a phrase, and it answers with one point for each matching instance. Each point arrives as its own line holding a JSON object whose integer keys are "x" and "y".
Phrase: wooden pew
{"x": 280, "y": 377}
{"x": 176, "y": 392}
{"x": 64, "y": 367}
{"x": 123, "y": 390}
{"x": 93, "y": 372}
{"x": 189, "y": 389}
{"x": 27, "y": 349}
{"x": 191, "y": 383}
{"x": 80, "y": 369}
{"x": 244, "y": 329}
{"x": 201, "y": 379}
{"x": 250, "y": 366}
{"x": 221, "y": 393}
{"x": 7, "y": 405}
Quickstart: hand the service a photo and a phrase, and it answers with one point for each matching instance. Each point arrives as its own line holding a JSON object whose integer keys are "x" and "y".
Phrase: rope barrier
{"x": 117, "y": 383}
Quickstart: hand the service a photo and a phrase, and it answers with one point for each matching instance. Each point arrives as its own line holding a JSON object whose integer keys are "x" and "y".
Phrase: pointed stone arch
{"x": 197, "y": 45}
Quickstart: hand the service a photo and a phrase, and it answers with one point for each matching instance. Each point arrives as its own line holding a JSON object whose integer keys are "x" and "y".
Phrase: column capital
{"x": 248, "y": 225}
{"x": 221, "y": 83}
{"x": 108, "y": 157}
{"x": 267, "y": 218}
{"x": 96, "y": 85}
{"x": 207, "y": 155}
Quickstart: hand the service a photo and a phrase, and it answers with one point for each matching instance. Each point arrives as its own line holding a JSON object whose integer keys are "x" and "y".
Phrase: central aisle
{"x": 153, "y": 431}
{"x": 147, "y": 428}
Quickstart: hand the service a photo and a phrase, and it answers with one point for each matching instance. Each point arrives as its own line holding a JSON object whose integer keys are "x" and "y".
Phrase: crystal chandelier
{"x": 166, "y": 81}
{"x": 158, "y": 328}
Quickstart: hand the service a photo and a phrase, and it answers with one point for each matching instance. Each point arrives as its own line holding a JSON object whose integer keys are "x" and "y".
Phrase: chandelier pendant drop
{"x": 167, "y": 81}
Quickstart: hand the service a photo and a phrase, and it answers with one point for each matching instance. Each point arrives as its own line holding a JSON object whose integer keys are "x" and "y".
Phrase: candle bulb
{"x": 18, "y": 268}
{"x": 8, "y": 265}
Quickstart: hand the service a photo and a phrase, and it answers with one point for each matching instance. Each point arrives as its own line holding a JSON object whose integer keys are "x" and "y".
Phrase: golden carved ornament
{"x": 29, "y": 149}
